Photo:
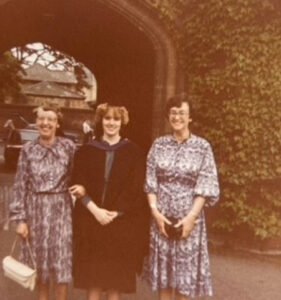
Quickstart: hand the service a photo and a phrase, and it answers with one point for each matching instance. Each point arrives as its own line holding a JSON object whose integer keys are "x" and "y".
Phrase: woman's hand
{"x": 104, "y": 216}
{"x": 160, "y": 221}
{"x": 77, "y": 190}
{"x": 187, "y": 223}
{"x": 22, "y": 230}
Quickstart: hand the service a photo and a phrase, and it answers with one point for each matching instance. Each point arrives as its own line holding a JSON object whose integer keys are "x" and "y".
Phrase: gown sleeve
{"x": 207, "y": 184}
{"x": 151, "y": 182}
{"x": 80, "y": 173}
{"x": 78, "y": 168}
{"x": 17, "y": 206}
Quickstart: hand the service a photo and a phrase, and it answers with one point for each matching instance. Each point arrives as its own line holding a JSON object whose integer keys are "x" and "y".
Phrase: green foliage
{"x": 10, "y": 79}
{"x": 230, "y": 53}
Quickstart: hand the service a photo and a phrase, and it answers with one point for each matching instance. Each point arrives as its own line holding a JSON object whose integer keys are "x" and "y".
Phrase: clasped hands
{"x": 187, "y": 223}
{"x": 103, "y": 216}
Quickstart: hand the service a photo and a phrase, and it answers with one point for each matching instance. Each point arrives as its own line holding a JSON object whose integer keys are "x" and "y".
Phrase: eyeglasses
{"x": 180, "y": 113}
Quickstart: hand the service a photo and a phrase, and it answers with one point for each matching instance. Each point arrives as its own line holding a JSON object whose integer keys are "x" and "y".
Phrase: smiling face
{"x": 179, "y": 118}
{"x": 47, "y": 123}
{"x": 111, "y": 124}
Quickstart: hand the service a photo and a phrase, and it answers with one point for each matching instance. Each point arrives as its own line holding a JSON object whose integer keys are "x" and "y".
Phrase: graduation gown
{"x": 109, "y": 256}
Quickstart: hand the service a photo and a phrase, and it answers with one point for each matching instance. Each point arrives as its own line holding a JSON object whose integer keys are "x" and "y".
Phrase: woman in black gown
{"x": 110, "y": 215}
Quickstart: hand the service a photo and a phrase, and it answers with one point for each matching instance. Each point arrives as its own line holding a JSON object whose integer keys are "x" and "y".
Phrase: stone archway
{"x": 167, "y": 75}
{"x": 144, "y": 72}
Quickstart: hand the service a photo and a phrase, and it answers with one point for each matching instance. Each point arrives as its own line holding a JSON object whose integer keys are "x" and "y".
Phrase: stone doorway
{"x": 123, "y": 44}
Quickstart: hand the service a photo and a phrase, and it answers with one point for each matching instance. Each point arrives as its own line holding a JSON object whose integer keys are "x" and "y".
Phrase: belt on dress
{"x": 50, "y": 192}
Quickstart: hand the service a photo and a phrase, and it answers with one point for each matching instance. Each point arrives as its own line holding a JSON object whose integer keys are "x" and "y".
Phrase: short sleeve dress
{"x": 177, "y": 173}
{"x": 42, "y": 200}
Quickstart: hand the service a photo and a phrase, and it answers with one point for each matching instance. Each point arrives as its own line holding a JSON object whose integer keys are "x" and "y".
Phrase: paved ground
{"x": 236, "y": 275}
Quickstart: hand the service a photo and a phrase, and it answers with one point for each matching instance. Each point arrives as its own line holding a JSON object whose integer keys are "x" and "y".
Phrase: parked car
{"x": 18, "y": 137}
{"x": 15, "y": 140}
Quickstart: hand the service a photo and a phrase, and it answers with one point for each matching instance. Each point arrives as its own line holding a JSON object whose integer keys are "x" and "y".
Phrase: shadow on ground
{"x": 236, "y": 275}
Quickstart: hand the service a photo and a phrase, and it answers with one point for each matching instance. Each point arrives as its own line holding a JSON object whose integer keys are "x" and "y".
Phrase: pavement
{"x": 237, "y": 275}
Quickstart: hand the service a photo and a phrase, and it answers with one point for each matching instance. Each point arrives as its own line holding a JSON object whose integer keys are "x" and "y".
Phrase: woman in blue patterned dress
{"x": 181, "y": 179}
{"x": 41, "y": 205}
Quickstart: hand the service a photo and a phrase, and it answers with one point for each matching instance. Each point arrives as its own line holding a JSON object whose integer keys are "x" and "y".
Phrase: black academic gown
{"x": 109, "y": 256}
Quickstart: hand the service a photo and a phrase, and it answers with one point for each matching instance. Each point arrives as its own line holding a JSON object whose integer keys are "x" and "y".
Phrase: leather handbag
{"x": 19, "y": 272}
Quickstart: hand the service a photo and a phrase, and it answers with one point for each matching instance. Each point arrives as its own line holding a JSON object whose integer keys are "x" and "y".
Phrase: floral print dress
{"x": 176, "y": 173}
{"x": 42, "y": 200}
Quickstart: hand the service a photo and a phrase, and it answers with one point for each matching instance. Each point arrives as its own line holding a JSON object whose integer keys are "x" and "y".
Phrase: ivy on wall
{"x": 10, "y": 79}
{"x": 230, "y": 51}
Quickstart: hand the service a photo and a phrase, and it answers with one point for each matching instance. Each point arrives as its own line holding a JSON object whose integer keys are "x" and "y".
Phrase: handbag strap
{"x": 29, "y": 250}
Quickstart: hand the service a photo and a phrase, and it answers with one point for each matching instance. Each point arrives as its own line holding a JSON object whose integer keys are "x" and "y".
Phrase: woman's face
{"x": 47, "y": 123}
{"x": 179, "y": 117}
{"x": 111, "y": 124}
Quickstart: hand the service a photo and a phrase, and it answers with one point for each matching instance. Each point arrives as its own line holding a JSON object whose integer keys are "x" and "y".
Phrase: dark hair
{"x": 177, "y": 101}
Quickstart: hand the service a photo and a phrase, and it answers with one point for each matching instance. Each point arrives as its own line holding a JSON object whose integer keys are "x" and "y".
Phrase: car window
{"x": 28, "y": 135}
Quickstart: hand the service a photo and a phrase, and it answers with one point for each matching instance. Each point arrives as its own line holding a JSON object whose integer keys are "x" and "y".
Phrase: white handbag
{"x": 19, "y": 272}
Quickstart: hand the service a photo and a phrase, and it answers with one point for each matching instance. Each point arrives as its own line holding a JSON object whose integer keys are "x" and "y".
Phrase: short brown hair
{"x": 177, "y": 101}
{"x": 119, "y": 111}
{"x": 50, "y": 107}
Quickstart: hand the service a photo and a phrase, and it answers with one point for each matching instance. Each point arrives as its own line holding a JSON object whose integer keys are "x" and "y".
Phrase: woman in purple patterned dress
{"x": 181, "y": 179}
{"x": 41, "y": 205}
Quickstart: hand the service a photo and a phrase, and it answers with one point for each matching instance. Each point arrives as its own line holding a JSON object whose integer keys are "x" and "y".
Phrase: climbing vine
{"x": 230, "y": 52}
{"x": 10, "y": 79}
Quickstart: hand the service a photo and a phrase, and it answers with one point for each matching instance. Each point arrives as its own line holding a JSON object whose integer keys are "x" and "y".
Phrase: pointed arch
{"x": 167, "y": 74}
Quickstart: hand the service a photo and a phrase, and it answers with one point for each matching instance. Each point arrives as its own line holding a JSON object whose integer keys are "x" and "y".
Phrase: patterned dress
{"x": 177, "y": 173}
{"x": 41, "y": 199}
